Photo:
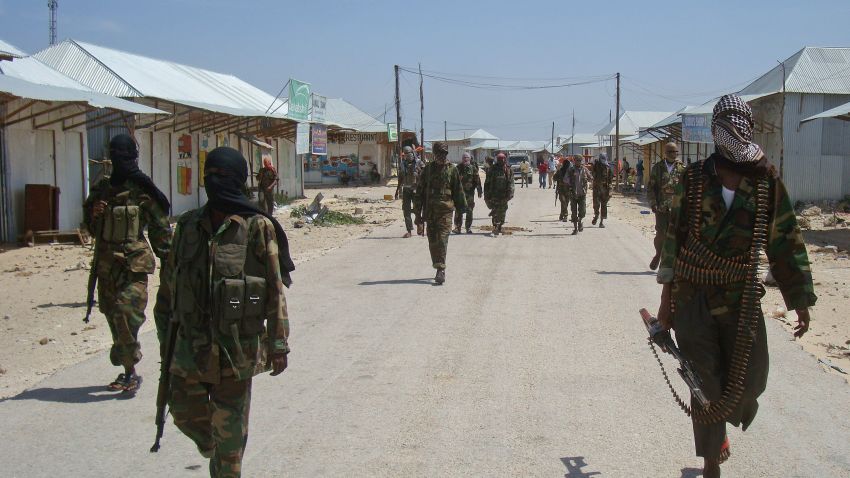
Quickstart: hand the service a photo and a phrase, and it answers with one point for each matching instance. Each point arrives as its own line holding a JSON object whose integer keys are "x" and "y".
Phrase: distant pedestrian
{"x": 639, "y": 176}
{"x": 561, "y": 178}
{"x": 266, "y": 181}
{"x": 602, "y": 179}
{"x": 498, "y": 191}
{"x": 408, "y": 175}
{"x": 550, "y": 170}
{"x": 664, "y": 177}
{"x": 525, "y": 170}
{"x": 471, "y": 182}
{"x": 542, "y": 171}
{"x": 624, "y": 173}
{"x": 579, "y": 177}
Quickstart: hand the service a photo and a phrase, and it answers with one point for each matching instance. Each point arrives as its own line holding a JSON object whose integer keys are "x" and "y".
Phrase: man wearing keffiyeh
{"x": 720, "y": 208}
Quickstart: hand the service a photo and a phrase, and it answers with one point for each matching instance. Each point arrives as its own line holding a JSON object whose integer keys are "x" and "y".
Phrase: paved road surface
{"x": 530, "y": 361}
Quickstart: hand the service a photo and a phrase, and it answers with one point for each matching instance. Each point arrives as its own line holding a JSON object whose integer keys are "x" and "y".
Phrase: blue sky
{"x": 669, "y": 53}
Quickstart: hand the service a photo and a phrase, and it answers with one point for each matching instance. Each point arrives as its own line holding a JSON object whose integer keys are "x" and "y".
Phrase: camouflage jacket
{"x": 408, "y": 174}
{"x": 265, "y": 178}
{"x": 498, "y": 185}
{"x": 560, "y": 175}
{"x": 729, "y": 234}
{"x": 469, "y": 178}
{"x": 205, "y": 350}
{"x": 577, "y": 179}
{"x": 438, "y": 191}
{"x": 134, "y": 253}
{"x": 662, "y": 184}
{"x": 602, "y": 176}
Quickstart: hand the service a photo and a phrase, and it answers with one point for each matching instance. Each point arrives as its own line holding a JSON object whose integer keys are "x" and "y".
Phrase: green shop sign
{"x": 300, "y": 99}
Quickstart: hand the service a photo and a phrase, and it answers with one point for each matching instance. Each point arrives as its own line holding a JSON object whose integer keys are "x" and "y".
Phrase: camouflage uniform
{"x": 438, "y": 193}
{"x": 562, "y": 190}
{"x": 705, "y": 317}
{"x": 265, "y": 178}
{"x": 498, "y": 190}
{"x": 407, "y": 178}
{"x": 471, "y": 182}
{"x": 578, "y": 179}
{"x": 220, "y": 346}
{"x": 602, "y": 178}
{"x": 124, "y": 261}
{"x": 662, "y": 184}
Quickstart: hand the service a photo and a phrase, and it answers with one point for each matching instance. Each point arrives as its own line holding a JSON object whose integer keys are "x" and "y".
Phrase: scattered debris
{"x": 298, "y": 224}
{"x": 779, "y": 312}
{"x": 827, "y": 249}
{"x": 43, "y": 341}
{"x": 804, "y": 223}
{"x": 832, "y": 365}
{"x": 811, "y": 211}
{"x": 358, "y": 211}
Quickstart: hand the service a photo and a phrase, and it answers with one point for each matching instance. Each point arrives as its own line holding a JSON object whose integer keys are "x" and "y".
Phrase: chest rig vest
{"x": 499, "y": 182}
{"x": 438, "y": 185}
{"x": 121, "y": 219}
{"x": 219, "y": 284}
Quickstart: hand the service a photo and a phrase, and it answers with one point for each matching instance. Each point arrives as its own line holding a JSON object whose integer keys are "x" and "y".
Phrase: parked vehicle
{"x": 514, "y": 161}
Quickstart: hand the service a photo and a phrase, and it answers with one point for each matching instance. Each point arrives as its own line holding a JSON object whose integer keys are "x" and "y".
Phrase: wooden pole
{"x": 617, "y": 132}
{"x": 397, "y": 116}
{"x": 421, "y": 108}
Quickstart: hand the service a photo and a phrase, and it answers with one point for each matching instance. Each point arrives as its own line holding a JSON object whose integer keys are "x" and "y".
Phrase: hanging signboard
{"x": 320, "y": 104}
{"x": 319, "y": 139}
{"x": 697, "y": 128}
{"x": 300, "y": 99}
{"x": 392, "y": 132}
{"x": 302, "y": 139}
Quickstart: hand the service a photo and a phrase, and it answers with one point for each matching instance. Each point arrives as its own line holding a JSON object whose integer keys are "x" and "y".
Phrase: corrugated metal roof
{"x": 810, "y": 70}
{"x": 119, "y": 73}
{"x": 34, "y": 71}
{"x": 478, "y": 134}
{"x": 7, "y": 49}
{"x": 841, "y": 112}
{"x": 26, "y": 89}
{"x": 345, "y": 115}
{"x": 631, "y": 122}
{"x": 577, "y": 139}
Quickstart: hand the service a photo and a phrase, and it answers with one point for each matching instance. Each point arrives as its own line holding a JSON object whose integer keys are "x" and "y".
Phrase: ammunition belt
{"x": 699, "y": 265}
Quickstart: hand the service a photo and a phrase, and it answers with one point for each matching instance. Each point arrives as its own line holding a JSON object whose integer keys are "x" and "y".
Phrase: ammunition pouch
{"x": 121, "y": 224}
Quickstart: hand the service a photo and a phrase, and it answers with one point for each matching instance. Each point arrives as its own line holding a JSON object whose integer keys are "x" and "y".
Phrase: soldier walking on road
{"x": 579, "y": 177}
{"x": 228, "y": 268}
{"x": 471, "y": 182}
{"x": 663, "y": 179}
{"x": 602, "y": 178}
{"x": 117, "y": 213}
{"x": 438, "y": 193}
{"x": 724, "y": 212}
{"x": 562, "y": 192}
{"x": 266, "y": 181}
{"x": 408, "y": 175}
{"x": 525, "y": 170}
{"x": 498, "y": 190}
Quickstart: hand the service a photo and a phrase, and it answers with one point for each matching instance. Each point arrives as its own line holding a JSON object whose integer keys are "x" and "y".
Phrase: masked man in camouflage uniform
{"x": 471, "y": 182}
{"x": 724, "y": 211}
{"x": 577, "y": 182}
{"x": 498, "y": 191}
{"x": 117, "y": 213}
{"x": 602, "y": 178}
{"x": 227, "y": 271}
{"x": 561, "y": 189}
{"x": 663, "y": 179}
{"x": 438, "y": 193}
{"x": 408, "y": 175}
{"x": 266, "y": 181}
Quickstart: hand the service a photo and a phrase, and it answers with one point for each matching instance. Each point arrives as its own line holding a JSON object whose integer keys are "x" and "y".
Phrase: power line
{"x": 509, "y": 78}
{"x": 502, "y": 86}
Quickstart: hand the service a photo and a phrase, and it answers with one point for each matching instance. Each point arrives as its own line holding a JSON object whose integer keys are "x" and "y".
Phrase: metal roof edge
{"x": 110, "y": 70}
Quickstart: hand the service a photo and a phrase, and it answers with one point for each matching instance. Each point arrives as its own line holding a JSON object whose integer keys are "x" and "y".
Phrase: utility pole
{"x": 421, "y": 108}
{"x": 553, "y": 139}
{"x": 397, "y": 117}
{"x": 53, "y": 5}
{"x": 617, "y": 133}
{"x": 782, "y": 128}
{"x": 445, "y": 130}
{"x": 573, "y": 133}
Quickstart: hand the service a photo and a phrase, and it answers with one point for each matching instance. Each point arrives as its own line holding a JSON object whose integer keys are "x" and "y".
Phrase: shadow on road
{"x": 626, "y": 273}
{"x": 70, "y": 305}
{"x": 691, "y": 473}
{"x": 90, "y": 394}
{"x": 426, "y": 281}
{"x": 574, "y": 466}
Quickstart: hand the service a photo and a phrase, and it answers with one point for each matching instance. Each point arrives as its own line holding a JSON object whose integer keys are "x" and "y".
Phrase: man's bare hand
{"x": 803, "y": 319}
{"x": 664, "y": 316}
{"x": 278, "y": 363}
{"x": 98, "y": 208}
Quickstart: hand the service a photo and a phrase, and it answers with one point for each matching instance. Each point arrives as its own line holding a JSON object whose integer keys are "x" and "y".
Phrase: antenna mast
{"x": 53, "y": 5}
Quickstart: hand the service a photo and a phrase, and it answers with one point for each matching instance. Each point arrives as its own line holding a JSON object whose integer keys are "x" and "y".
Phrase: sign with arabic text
{"x": 319, "y": 139}
{"x": 320, "y": 104}
{"x": 300, "y": 99}
{"x": 697, "y": 129}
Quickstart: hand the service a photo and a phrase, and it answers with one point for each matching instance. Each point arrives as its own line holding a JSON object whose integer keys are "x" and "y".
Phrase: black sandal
{"x": 134, "y": 381}
{"x": 119, "y": 384}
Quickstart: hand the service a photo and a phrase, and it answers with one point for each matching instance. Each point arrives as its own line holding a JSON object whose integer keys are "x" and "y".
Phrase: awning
{"x": 839, "y": 112}
{"x": 24, "y": 89}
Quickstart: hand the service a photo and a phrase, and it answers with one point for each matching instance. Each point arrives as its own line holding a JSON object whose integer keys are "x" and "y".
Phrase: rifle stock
{"x": 164, "y": 390}
{"x": 92, "y": 283}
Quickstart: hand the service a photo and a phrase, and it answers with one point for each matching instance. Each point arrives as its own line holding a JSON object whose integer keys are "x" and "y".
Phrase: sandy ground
{"x": 44, "y": 289}
{"x": 829, "y": 336}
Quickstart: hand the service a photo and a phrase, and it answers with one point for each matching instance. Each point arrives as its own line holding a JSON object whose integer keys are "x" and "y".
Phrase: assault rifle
{"x": 663, "y": 339}
{"x": 164, "y": 390}
{"x": 92, "y": 284}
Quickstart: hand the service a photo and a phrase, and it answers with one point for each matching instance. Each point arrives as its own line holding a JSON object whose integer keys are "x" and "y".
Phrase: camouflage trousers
{"x": 579, "y": 208}
{"x": 438, "y": 228}
{"x": 470, "y": 205}
{"x": 266, "y": 200}
{"x": 600, "y": 202}
{"x": 564, "y": 199}
{"x": 215, "y": 417}
{"x": 162, "y": 312}
{"x": 498, "y": 210}
{"x": 407, "y": 207}
{"x": 122, "y": 296}
{"x": 662, "y": 219}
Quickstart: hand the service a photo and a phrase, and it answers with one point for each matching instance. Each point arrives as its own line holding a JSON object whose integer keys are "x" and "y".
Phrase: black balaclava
{"x": 225, "y": 173}
{"x": 125, "y": 167}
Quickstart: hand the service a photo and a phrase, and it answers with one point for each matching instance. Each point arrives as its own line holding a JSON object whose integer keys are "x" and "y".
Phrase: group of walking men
{"x": 220, "y": 310}
{"x": 572, "y": 179}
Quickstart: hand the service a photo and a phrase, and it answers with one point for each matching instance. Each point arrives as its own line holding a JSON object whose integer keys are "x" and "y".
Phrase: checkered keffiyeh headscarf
{"x": 732, "y": 128}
